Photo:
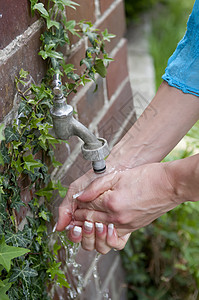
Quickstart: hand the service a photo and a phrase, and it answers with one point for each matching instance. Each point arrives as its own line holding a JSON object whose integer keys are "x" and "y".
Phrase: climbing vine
{"x": 29, "y": 262}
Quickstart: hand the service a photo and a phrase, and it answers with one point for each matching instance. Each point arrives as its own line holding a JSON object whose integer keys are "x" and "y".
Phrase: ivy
{"x": 29, "y": 250}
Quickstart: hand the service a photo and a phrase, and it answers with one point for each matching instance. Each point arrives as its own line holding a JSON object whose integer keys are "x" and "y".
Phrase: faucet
{"x": 65, "y": 125}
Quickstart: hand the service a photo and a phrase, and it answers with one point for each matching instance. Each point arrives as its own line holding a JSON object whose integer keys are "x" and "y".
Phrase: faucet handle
{"x": 56, "y": 85}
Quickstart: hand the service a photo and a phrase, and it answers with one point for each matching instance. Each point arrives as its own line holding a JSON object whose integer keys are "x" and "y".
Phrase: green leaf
{"x": 40, "y": 7}
{"x": 25, "y": 273}
{"x": 48, "y": 52}
{"x": 7, "y": 253}
{"x": 107, "y": 36}
{"x": 51, "y": 23}
{"x": 100, "y": 68}
{"x": 30, "y": 163}
{"x": 11, "y": 134}
{"x": 47, "y": 191}
{"x": 19, "y": 239}
{"x": 4, "y": 153}
{"x": 2, "y": 137}
{"x": 44, "y": 215}
{"x": 61, "y": 189}
{"x": 4, "y": 287}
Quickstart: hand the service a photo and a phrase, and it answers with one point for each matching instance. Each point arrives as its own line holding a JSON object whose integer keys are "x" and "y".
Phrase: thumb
{"x": 65, "y": 214}
{"x": 97, "y": 187}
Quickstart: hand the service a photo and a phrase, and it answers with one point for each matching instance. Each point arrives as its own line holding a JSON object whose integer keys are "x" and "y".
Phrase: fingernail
{"x": 88, "y": 226}
{"x": 99, "y": 227}
{"x": 77, "y": 195}
{"x": 77, "y": 231}
{"x": 110, "y": 229}
{"x": 54, "y": 228}
{"x": 70, "y": 226}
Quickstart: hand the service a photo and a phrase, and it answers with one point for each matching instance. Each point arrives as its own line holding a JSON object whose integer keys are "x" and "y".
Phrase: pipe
{"x": 65, "y": 125}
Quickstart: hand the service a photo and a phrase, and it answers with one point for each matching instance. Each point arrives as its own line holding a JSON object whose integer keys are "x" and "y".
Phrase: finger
{"x": 65, "y": 214}
{"x": 93, "y": 216}
{"x": 100, "y": 238}
{"x": 114, "y": 241}
{"x": 75, "y": 234}
{"x": 88, "y": 236}
{"x": 97, "y": 187}
{"x": 100, "y": 203}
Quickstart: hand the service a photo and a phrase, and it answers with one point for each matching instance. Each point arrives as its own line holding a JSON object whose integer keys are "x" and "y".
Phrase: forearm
{"x": 162, "y": 125}
{"x": 183, "y": 175}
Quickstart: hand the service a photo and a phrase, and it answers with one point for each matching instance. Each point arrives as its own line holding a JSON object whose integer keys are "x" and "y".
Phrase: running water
{"x": 77, "y": 281}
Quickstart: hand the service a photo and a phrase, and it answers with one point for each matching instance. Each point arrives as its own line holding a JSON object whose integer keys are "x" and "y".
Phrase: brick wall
{"x": 108, "y": 113}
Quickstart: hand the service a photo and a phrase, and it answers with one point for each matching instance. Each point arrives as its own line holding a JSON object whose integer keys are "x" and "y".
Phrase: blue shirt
{"x": 182, "y": 69}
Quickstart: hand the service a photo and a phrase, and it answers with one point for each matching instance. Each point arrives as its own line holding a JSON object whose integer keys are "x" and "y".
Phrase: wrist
{"x": 183, "y": 175}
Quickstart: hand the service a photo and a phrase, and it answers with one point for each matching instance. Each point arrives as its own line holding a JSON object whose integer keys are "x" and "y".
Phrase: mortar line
{"x": 97, "y": 10}
{"x": 19, "y": 41}
{"x": 107, "y": 12}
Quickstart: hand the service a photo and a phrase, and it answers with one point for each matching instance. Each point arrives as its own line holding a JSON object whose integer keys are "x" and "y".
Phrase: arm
{"x": 162, "y": 125}
{"x": 165, "y": 121}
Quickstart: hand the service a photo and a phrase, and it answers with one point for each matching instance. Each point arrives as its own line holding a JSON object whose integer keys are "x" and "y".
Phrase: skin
{"x": 136, "y": 189}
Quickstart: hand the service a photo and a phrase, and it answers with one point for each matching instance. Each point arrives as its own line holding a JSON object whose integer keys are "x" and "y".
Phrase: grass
{"x": 168, "y": 27}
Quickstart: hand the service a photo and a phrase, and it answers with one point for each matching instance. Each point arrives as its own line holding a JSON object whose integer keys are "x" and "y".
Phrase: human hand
{"x": 130, "y": 199}
{"x": 69, "y": 204}
{"x": 97, "y": 236}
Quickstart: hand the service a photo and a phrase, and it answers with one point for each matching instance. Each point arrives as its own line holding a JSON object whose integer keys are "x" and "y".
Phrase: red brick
{"x": 117, "y": 114}
{"x": 27, "y": 58}
{"x": 90, "y": 103}
{"x": 16, "y": 17}
{"x": 105, "y": 4}
{"x": 79, "y": 167}
{"x": 117, "y": 70}
{"x": 115, "y": 24}
{"x": 75, "y": 59}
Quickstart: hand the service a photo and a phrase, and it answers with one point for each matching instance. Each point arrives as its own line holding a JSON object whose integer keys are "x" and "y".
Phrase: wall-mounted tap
{"x": 65, "y": 125}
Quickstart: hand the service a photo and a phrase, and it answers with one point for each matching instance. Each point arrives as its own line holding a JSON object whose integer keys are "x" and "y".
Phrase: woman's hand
{"x": 97, "y": 236}
{"x": 130, "y": 199}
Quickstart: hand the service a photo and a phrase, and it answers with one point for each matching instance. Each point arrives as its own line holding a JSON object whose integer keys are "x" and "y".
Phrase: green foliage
{"x": 57, "y": 34}
{"x": 168, "y": 27}
{"x": 25, "y": 257}
{"x": 29, "y": 253}
{"x": 134, "y": 7}
{"x": 162, "y": 259}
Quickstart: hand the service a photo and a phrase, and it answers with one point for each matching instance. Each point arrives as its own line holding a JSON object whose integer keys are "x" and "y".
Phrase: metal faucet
{"x": 65, "y": 125}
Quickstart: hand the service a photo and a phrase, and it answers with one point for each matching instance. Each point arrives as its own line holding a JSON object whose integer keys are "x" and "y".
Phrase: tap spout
{"x": 65, "y": 125}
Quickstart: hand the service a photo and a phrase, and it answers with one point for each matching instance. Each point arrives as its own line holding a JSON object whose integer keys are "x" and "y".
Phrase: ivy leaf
{"x": 40, "y": 7}
{"x": 61, "y": 189}
{"x": 11, "y": 134}
{"x": 25, "y": 273}
{"x": 4, "y": 153}
{"x": 69, "y": 3}
{"x": 4, "y": 287}
{"x": 48, "y": 52}
{"x": 100, "y": 68}
{"x": 30, "y": 163}
{"x": 51, "y": 23}
{"x": 19, "y": 239}
{"x": 7, "y": 253}
{"x": 55, "y": 270}
{"x": 47, "y": 191}
{"x": 107, "y": 36}
{"x": 45, "y": 215}
{"x": 1, "y": 132}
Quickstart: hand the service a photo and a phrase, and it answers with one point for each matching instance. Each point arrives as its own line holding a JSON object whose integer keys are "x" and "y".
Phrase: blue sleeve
{"x": 182, "y": 69}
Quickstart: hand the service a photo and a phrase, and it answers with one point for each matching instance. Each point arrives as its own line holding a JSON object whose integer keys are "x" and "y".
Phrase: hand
{"x": 69, "y": 204}
{"x": 99, "y": 236}
{"x": 129, "y": 199}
